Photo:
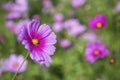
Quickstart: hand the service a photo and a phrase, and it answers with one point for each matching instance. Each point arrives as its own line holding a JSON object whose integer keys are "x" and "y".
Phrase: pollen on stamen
{"x": 35, "y": 41}
{"x": 96, "y": 52}
{"x": 99, "y": 25}
{"x": 15, "y": 65}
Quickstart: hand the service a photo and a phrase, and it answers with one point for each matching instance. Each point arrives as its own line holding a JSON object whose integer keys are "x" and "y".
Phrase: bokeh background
{"x": 68, "y": 63}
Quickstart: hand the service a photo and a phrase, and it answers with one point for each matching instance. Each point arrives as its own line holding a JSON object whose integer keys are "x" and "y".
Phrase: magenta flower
{"x": 95, "y": 51}
{"x": 77, "y": 3}
{"x": 13, "y": 63}
{"x": 39, "y": 41}
{"x": 99, "y": 21}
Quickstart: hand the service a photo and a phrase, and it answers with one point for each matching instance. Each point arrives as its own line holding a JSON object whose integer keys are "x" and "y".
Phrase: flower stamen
{"x": 15, "y": 65}
{"x": 96, "y": 52}
{"x": 35, "y": 41}
{"x": 99, "y": 25}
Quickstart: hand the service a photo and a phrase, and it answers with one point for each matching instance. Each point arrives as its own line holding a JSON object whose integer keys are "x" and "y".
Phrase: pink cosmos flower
{"x": 13, "y": 63}
{"x": 95, "y": 51}
{"x": 39, "y": 41}
{"x": 73, "y": 27}
{"x": 58, "y": 26}
{"x": 77, "y": 3}
{"x": 65, "y": 43}
{"x": 99, "y": 21}
{"x": 58, "y": 17}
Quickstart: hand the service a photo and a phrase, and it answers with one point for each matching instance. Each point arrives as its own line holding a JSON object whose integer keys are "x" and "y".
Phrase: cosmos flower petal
{"x": 23, "y": 33}
{"x": 49, "y": 50}
{"x": 50, "y": 39}
{"x": 44, "y": 30}
{"x": 34, "y": 26}
{"x": 91, "y": 59}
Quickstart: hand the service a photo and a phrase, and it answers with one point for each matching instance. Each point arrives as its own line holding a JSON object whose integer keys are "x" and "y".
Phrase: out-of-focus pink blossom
{"x": 47, "y": 3}
{"x": 73, "y": 27}
{"x": 17, "y": 9}
{"x": 89, "y": 36}
{"x": 77, "y": 3}
{"x": 65, "y": 43}
{"x": 58, "y": 17}
{"x": 13, "y": 15}
{"x": 8, "y": 6}
{"x": 13, "y": 63}
{"x": 58, "y": 26}
{"x": 11, "y": 25}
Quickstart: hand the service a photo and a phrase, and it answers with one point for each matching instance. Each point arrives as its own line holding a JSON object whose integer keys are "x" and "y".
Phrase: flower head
{"x": 14, "y": 62}
{"x": 39, "y": 41}
{"x": 99, "y": 21}
{"x": 77, "y": 3}
{"x": 112, "y": 60}
{"x": 95, "y": 51}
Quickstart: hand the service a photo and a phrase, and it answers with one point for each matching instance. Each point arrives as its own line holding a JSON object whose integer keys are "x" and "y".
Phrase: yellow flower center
{"x": 112, "y": 60}
{"x": 35, "y": 41}
{"x": 96, "y": 52}
{"x": 15, "y": 65}
{"x": 99, "y": 25}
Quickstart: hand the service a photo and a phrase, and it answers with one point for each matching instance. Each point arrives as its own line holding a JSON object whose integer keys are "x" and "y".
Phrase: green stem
{"x": 13, "y": 78}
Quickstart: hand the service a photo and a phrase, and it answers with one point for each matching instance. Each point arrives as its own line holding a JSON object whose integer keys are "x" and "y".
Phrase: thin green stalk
{"x": 13, "y": 78}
